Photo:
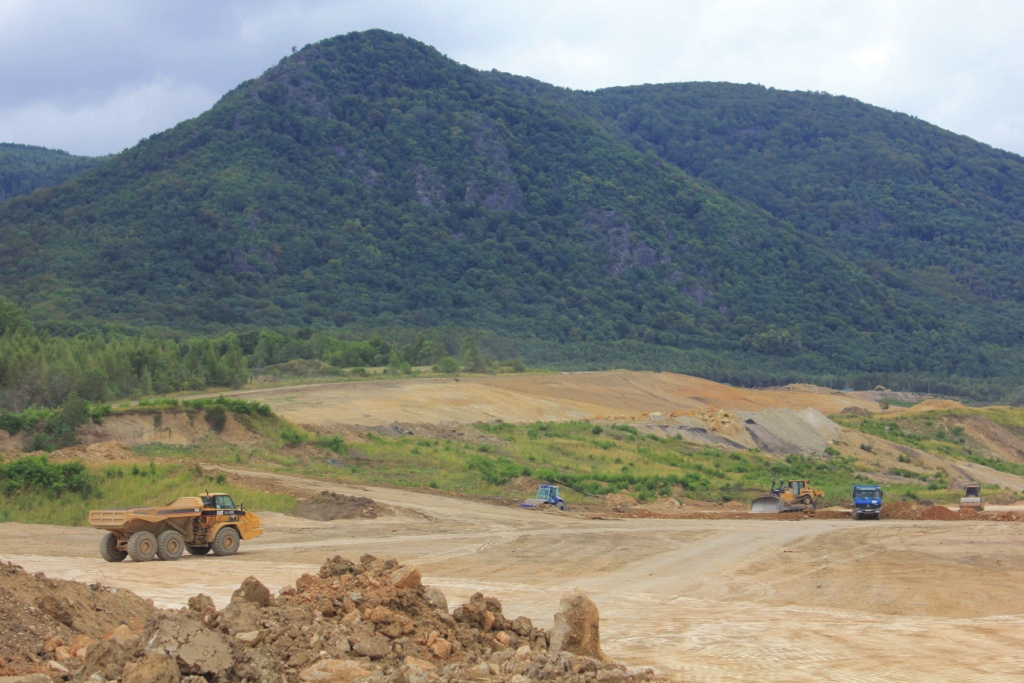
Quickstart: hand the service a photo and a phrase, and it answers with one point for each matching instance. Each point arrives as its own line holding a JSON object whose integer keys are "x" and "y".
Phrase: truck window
{"x": 223, "y": 503}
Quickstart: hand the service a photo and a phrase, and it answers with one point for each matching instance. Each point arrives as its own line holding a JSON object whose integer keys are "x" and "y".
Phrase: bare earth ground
{"x": 751, "y": 599}
{"x": 527, "y": 398}
{"x": 700, "y": 600}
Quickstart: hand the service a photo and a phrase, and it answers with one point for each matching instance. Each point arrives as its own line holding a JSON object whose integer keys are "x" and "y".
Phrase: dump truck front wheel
{"x": 108, "y": 548}
{"x": 197, "y": 549}
{"x": 142, "y": 546}
{"x": 226, "y": 541}
{"x": 169, "y": 545}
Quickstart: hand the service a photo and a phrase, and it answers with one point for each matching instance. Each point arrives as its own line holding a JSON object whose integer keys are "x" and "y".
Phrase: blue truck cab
{"x": 867, "y": 501}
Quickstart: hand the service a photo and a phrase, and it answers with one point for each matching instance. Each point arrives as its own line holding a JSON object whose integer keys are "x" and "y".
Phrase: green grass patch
{"x": 938, "y": 432}
{"x": 38, "y": 500}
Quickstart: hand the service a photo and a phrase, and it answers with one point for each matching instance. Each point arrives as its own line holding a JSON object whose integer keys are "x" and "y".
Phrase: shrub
{"x": 294, "y": 435}
{"x": 216, "y": 417}
{"x": 38, "y": 473}
{"x": 333, "y": 443}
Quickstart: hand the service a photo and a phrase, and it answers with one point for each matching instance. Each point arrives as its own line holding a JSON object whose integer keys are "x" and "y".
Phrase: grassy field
{"x": 586, "y": 458}
{"x": 593, "y": 459}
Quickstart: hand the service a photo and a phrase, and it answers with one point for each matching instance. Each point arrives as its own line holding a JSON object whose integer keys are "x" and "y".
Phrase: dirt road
{"x": 701, "y": 600}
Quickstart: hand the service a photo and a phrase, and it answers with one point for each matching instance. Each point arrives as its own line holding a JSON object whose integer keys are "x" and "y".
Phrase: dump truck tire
{"x": 108, "y": 548}
{"x": 142, "y": 546}
{"x": 197, "y": 549}
{"x": 226, "y": 541}
{"x": 561, "y": 506}
{"x": 169, "y": 545}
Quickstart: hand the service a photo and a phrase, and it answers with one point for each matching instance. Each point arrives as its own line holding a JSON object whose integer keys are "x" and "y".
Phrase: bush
{"x": 447, "y": 366}
{"x": 293, "y": 435}
{"x": 38, "y": 473}
{"x": 333, "y": 443}
{"x": 216, "y": 417}
{"x": 496, "y": 471}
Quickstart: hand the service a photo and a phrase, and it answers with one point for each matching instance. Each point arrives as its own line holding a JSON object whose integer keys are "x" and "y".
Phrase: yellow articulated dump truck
{"x": 197, "y": 524}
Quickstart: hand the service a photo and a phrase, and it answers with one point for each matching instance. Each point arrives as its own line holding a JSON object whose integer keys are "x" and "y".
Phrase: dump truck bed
{"x": 136, "y": 519}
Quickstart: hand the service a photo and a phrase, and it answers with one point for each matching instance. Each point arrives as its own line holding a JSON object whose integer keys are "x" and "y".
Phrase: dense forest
{"x": 369, "y": 186}
{"x": 25, "y": 168}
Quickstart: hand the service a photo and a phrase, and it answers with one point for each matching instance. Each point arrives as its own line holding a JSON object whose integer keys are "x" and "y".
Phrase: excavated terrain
{"x": 695, "y": 591}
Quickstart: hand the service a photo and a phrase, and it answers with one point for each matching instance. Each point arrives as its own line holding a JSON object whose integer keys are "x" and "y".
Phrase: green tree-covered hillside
{"x": 367, "y": 179}
{"x": 25, "y": 168}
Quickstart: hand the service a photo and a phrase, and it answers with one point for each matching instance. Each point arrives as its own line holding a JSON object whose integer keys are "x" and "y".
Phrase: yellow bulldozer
{"x": 197, "y": 524}
{"x": 789, "y": 496}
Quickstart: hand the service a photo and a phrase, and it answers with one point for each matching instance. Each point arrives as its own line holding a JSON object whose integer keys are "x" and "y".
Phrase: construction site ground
{"x": 725, "y": 597}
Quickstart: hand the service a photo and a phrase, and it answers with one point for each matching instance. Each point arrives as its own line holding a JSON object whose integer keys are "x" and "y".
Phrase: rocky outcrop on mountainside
{"x": 372, "y": 621}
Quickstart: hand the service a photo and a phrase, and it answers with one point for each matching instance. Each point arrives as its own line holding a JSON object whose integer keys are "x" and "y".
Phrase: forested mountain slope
{"x": 368, "y": 179}
{"x": 883, "y": 187}
{"x": 24, "y": 168}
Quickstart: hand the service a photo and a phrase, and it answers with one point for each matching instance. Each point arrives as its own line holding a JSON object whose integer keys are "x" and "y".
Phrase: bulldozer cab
{"x": 791, "y": 489}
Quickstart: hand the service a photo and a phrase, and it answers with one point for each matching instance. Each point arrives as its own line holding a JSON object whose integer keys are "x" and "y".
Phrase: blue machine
{"x": 867, "y": 501}
{"x": 547, "y": 494}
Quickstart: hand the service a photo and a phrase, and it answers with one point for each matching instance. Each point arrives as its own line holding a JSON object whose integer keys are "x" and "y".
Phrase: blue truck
{"x": 867, "y": 501}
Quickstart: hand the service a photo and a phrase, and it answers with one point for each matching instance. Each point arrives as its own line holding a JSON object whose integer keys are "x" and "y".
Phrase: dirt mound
{"x": 620, "y": 502}
{"x": 325, "y": 506}
{"x": 936, "y": 404}
{"x": 44, "y": 620}
{"x": 938, "y": 512}
{"x": 900, "y": 510}
{"x": 374, "y": 619}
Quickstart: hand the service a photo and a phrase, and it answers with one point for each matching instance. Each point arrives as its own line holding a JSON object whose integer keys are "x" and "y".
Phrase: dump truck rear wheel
{"x": 169, "y": 545}
{"x": 197, "y": 549}
{"x": 108, "y": 548}
{"x": 142, "y": 546}
{"x": 226, "y": 541}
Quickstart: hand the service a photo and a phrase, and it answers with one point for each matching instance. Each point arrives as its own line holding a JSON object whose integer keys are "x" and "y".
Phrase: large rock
{"x": 155, "y": 667}
{"x": 253, "y": 591}
{"x": 436, "y": 598}
{"x": 577, "y": 626}
{"x": 240, "y": 617}
{"x": 374, "y": 647}
{"x": 196, "y": 650}
{"x": 334, "y": 671}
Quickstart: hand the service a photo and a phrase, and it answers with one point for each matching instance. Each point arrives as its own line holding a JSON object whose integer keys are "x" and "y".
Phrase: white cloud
{"x": 77, "y": 72}
{"x": 106, "y": 125}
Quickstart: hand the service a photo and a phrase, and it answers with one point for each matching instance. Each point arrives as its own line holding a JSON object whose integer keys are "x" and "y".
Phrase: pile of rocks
{"x": 368, "y": 621}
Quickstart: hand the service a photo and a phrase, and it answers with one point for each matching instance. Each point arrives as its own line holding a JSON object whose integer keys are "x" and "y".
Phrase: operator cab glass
{"x": 223, "y": 503}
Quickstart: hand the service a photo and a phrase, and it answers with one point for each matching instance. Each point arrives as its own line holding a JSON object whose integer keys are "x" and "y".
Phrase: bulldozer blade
{"x": 766, "y": 504}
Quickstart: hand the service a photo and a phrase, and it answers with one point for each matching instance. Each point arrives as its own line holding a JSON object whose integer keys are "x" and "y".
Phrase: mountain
{"x": 731, "y": 231}
{"x": 24, "y": 168}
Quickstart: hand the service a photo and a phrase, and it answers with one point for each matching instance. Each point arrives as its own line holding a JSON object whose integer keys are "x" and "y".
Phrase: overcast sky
{"x": 96, "y": 76}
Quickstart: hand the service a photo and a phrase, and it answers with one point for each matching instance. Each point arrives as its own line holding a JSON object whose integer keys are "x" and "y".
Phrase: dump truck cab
{"x": 867, "y": 501}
